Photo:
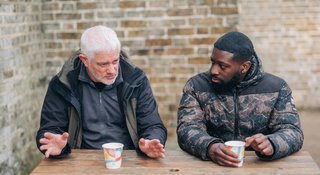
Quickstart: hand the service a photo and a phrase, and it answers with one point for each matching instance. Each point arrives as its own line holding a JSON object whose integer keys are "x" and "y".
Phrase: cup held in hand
{"x": 238, "y": 148}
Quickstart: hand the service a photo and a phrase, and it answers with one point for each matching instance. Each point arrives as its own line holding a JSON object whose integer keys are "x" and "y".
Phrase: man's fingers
{"x": 263, "y": 145}
{"x": 65, "y": 136}
{"x": 260, "y": 138}
{"x": 49, "y": 135}
{"x": 225, "y": 154}
{"x": 219, "y": 153}
{"x": 254, "y": 140}
{"x": 158, "y": 146}
{"x": 160, "y": 150}
{"x": 160, "y": 155}
{"x": 249, "y": 141}
{"x": 142, "y": 141}
{"x": 48, "y": 152}
{"x": 267, "y": 151}
{"x": 152, "y": 148}
{"x": 155, "y": 142}
{"x": 266, "y": 148}
{"x": 44, "y": 141}
{"x": 260, "y": 143}
{"x": 228, "y": 152}
{"x": 226, "y": 162}
{"x": 156, "y": 155}
{"x": 44, "y": 147}
{"x": 230, "y": 157}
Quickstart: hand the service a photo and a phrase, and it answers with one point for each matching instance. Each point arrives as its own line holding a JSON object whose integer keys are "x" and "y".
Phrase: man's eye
{"x": 222, "y": 67}
{"x": 102, "y": 65}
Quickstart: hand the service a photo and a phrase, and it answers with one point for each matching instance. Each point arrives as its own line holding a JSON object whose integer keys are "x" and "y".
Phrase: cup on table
{"x": 238, "y": 148}
{"x": 112, "y": 155}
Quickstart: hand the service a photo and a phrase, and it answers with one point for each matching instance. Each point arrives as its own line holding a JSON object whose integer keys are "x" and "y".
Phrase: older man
{"x": 99, "y": 97}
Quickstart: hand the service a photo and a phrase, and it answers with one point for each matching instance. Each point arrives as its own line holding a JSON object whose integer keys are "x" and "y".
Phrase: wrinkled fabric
{"x": 262, "y": 103}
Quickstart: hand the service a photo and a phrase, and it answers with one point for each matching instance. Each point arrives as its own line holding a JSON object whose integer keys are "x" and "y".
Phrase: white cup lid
{"x": 112, "y": 145}
{"x": 235, "y": 143}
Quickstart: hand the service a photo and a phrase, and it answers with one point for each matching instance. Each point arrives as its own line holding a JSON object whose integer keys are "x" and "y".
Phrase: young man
{"x": 99, "y": 97}
{"x": 236, "y": 100}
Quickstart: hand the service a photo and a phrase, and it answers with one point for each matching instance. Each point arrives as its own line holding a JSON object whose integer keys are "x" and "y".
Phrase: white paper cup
{"x": 113, "y": 155}
{"x": 238, "y": 148}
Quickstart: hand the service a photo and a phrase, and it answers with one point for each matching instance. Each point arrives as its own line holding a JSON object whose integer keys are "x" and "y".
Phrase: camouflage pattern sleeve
{"x": 287, "y": 136}
{"x": 191, "y": 126}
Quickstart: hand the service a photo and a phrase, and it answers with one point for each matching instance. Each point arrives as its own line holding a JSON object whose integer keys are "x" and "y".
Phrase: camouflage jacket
{"x": 262, "y": 103}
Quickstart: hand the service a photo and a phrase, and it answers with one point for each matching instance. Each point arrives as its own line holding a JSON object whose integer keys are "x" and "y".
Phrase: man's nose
{"x": 111, "y": 69}
{"x": 214, "y": 70}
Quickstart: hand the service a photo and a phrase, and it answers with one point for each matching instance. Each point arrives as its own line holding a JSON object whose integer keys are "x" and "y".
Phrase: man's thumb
{"x": 65, "y": 136}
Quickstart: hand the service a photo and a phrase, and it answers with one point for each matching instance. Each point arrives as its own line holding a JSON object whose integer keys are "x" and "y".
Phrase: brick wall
{"x": 286, "y": 34}
{"x": 22, "y": 75}
{"x": 170, "y": 40}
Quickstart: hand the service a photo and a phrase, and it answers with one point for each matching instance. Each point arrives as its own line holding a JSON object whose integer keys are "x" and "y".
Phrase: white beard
{"x": 112, "y": 80}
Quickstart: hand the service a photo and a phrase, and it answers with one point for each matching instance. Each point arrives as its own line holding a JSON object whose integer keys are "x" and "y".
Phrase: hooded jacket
{"x": 61, "y": 111}
{"x": 261, "y": 103}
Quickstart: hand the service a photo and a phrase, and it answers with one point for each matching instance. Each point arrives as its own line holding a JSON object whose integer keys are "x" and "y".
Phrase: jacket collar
{"x": 254, "y": 74}
{"x": 84, "y": 77}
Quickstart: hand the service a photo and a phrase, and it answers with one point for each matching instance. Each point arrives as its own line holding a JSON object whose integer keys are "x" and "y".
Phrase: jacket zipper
{"x": 236, "y": 115}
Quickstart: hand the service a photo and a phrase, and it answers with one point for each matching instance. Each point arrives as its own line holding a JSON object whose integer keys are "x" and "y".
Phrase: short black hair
{"x": 237, "y": 43}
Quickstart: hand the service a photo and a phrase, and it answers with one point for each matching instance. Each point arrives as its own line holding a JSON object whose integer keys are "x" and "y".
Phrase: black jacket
{"x": 61, "y": 110}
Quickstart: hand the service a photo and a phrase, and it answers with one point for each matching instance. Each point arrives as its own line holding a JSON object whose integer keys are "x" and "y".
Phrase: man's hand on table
{"x": 53, "y": 143}
{"x": 261, "y": 144}
{"x": 152, "y": 148}
{"x": 222, "y": 156}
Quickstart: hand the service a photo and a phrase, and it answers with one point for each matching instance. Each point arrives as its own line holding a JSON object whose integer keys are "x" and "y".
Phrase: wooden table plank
{"x": 176, "y": 162}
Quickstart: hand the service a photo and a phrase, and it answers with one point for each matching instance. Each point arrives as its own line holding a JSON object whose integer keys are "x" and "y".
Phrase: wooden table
{"x": 176, "y": 162}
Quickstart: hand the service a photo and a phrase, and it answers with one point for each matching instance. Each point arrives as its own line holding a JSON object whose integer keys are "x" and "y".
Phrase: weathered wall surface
{"x": 22, "y": 73}
{"x": 286, "y": 34}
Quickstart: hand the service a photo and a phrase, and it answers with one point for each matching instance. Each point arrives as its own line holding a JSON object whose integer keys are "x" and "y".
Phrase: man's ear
{"x": 245, "y": 66}
{"x": 84, "y": 59}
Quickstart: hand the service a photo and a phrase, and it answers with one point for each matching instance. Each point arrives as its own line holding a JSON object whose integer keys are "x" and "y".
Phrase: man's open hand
{"x": 152, "y": 148}
{"x": 53, "y": 143}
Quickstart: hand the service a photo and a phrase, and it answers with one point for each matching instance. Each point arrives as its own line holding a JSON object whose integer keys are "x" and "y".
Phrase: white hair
{"x": 97, "y": 39}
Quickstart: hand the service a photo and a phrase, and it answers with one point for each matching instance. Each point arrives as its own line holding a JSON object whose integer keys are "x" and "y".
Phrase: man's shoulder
{"x": 130, "y": 72}
{"x": 273, "y": 79}
{"x": 203, "y": 76}
{"x": 71, "y": 64}
{"x": 200, "y": 82}
{"x": 268, "y": 84}
{"x": 69, "y": 72}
